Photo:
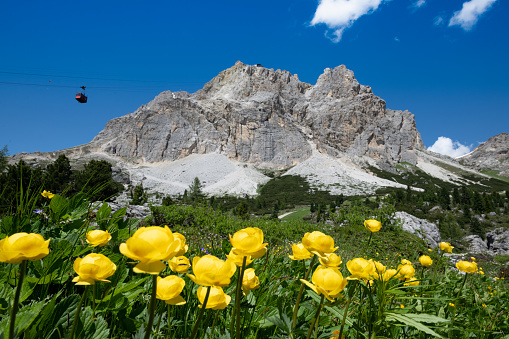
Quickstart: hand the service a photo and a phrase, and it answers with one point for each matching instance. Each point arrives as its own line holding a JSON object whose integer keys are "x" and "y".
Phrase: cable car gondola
{"x": 81, "y": 97}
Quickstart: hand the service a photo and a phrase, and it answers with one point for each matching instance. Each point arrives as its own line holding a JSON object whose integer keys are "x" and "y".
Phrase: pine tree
{"x": 195, "y": 190}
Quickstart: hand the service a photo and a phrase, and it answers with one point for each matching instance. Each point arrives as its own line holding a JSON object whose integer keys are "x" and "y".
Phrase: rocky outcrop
{"x": 424, "y": 229}
{"x": 267, "y": 118}
{"x": 496, "y": 242}
{"x": 492, "y": 154}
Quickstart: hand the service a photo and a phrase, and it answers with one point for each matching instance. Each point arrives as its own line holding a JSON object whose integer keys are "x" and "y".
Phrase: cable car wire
{"x": 64, "y": 86}
{"x": 87, "y": 78}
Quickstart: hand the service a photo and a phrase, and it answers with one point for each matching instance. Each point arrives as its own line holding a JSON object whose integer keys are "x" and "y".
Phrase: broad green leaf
{"x": 426, "y": 318}
{"x": 390, "y": 316}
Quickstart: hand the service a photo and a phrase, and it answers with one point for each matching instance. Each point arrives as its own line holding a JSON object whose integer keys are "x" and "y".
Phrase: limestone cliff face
{"x": 492, "y": 154}
{"x": 267, "y": 118}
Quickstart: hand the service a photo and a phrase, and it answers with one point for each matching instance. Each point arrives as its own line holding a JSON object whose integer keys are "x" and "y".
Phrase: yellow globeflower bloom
{"x": 237, "y": 259}
{"x": 151, "y": 245}
{"x": 406, "y": 271}
{"x": 318, "y": 243}
{"x": 23, "y": 246}
{"x": 405, "y": 262}
{"x": 47, "y": 194}
{"x": 331, "y": 260}
{"x": 98, "y": 238}
{"x": 249, "y": 241}
{"x": 335, "y": 335}
{"x": 360, "y": 268}
{"x": 183, "y": 247}
{"x": 218, "y": 300}
{"x": 373, "y": 225}
{"x": 388, "y": 274}
{"x": 411, "y": 282}
{"x": 327, "y": 281}
{"x": 446, "y": 247}
{"x": 250, "y": 281}
{"x": 179, "y": 264}
{"x": 466, "y": 266}
{"x": 299, "y": 252}
{"x": 93, "y": 267}
{"x": 169, "y": 289}
{"x": 425, "y": 260}
{"x": 212, "y": 271}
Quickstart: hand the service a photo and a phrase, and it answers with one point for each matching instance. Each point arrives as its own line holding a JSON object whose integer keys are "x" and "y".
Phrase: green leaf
{"x": 390, "y": 316}
{"x": 426, "y": 318}
{"x": 58, "y": 207}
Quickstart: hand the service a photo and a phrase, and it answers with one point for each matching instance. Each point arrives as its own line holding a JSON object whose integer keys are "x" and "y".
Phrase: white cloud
{"x": 438, "y": 21}
{"x": 467, "y": 17}
{"x": 341, "y": 14}
{"x": 419, "y": 3}
{"x": 446, "y": 146}
{"x": 396, "y": 39}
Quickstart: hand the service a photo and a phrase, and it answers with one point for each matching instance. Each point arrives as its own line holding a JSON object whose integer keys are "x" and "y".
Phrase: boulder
{"x": 424, "y": 229}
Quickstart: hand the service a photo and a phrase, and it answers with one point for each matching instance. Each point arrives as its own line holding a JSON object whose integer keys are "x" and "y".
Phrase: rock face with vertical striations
{"x": 266, "y": 118}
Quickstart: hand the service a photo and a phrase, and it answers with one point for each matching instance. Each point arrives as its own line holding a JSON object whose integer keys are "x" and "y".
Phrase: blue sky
{"x": 444, "y": 61}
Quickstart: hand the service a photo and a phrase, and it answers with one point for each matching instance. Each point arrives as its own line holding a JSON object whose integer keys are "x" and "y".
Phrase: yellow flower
{"x": 212, "y": 271}
{"x": 98, "y": 238}
{"x": 451, "y": 304}
{"x": 430, "y": 250}
{"x": 150, "y": 245}
{"x": 23, "y": 246}
{"x": 331, "y": 260}
{"x": 47, "y": 194}
{"x": 182, "y": 247}
{"x": 373, "y": 225}
{"x": 388, "y": 274}
{"x": 401, "y": 306}
{"x": 446, "y": 247}
{"x": 93, "y": 267}
{"x": 249, "y": 241}
{"x": 179, "y": 264}
{"x": 249, "y": 281}
{"x": 360, "y": 268}
{"x": 484, "y": 305}
{"x": 335, "y": 335}
{"x": 405, "y": 262}
{"x": 472, "y": 258}
{"x": 327, "y": 281}
{"x": 218, "y": 300}
{"x": 169, "y": 289}
{"x": 300, "y": 252}
{"x": 425, "y": 260}
{"x": 466, "y": 266}
{"x": 405, "y": 271}
{"x": 237, "y": 259}
{"x": 411, "y": 282}
{"x": 318, "y": 243}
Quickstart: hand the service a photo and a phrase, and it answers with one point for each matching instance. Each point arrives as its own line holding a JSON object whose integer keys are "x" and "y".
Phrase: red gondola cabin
{"x": 81, "y": 98}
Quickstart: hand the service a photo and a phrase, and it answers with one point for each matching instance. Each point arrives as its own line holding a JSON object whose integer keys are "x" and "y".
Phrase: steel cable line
{"x": 87, "y": 78}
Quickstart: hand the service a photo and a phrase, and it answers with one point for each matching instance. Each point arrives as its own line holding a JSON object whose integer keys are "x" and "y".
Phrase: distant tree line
{"x": 21, "y": 180}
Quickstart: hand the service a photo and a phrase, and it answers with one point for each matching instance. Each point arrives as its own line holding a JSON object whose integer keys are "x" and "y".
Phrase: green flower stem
{"x": 16, "y": 299}
{"x": 346, "y": 308}
{"x": 237, "y": 298}
{"x": 77, "y": 313}
{"x": 439, "y": 262}
{"x": 152, "y": 307}
{"x": 169, "y": 321}
{"x": 456, "y": 304}
{"x": 197, "y": 324}
{"x": 369, "y": 242}
{"x": 317, "y": 314}
{"x": 301, "y": 290}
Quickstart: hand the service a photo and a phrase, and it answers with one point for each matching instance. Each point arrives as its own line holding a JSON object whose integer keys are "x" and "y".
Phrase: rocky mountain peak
{"x": 267, "y": 118}
{"x": 491, "y": 154}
